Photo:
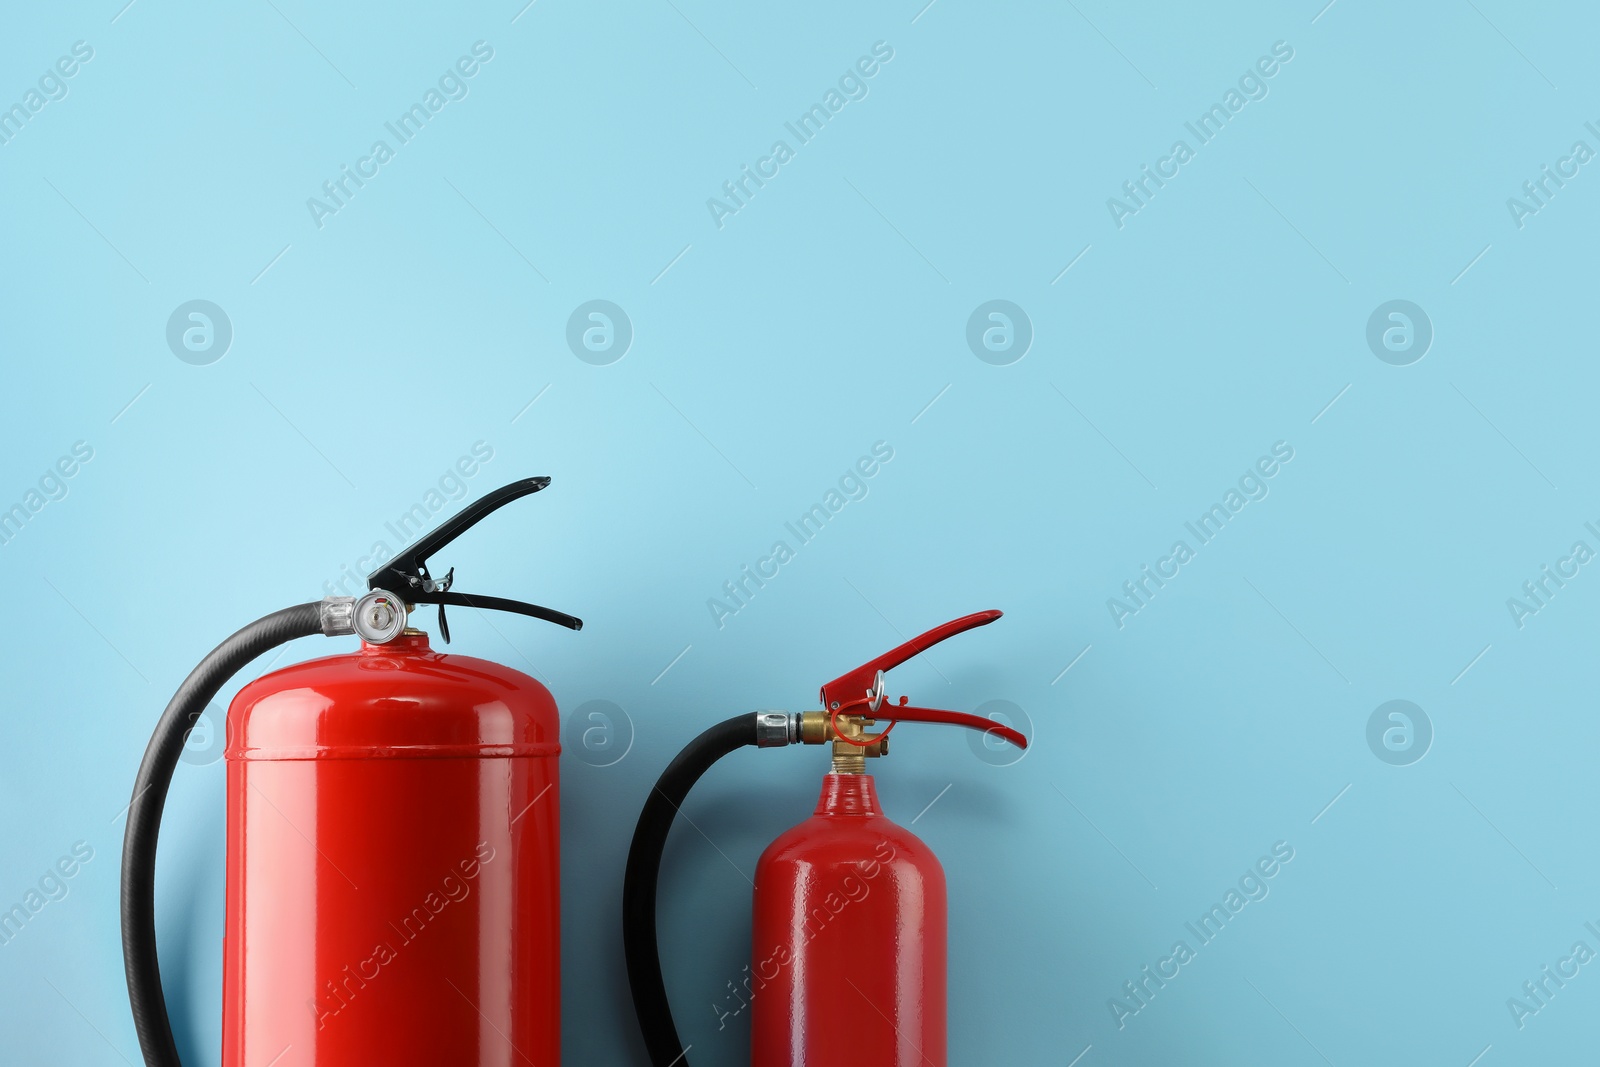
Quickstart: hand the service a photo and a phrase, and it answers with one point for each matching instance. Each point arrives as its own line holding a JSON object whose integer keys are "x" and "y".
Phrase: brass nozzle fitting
{"x": 816, "y": 729}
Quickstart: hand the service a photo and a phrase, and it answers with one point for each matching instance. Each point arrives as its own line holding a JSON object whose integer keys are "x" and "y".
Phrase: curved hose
{"x": 150, "y": 797}
{"x": 639, "y": 883}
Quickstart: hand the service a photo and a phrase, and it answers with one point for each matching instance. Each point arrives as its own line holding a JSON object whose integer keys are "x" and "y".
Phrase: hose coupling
{"x": 774, "y": 729}
{"x": 338, "y": 615}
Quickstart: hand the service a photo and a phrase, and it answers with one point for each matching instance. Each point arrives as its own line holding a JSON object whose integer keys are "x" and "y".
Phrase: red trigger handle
{"x": 903, "y": 713}
{"x": 855, "y": 686}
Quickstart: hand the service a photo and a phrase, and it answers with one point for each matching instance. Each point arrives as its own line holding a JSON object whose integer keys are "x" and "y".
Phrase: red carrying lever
{"x": 863, "y": 685}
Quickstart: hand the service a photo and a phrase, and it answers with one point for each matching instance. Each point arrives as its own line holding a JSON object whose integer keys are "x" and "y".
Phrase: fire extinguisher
{"x": 392, "y": 844}
{"x": 849, "y": 938}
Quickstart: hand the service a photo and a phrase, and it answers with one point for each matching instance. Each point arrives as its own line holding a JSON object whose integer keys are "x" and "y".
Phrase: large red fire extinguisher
{"x": 848, "y": 950}
{"x": 393, "y": 839}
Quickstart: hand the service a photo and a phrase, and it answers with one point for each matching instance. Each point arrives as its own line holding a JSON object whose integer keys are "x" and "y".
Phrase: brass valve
{"x": 848, "y": 758}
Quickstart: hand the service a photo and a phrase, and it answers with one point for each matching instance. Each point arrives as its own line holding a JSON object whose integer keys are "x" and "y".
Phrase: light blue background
{"x": 825, "y": 316}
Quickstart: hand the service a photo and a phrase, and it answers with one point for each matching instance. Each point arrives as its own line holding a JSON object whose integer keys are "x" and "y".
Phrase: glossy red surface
{"x": 849, "y": 946}
{"x": 393, "y": 865}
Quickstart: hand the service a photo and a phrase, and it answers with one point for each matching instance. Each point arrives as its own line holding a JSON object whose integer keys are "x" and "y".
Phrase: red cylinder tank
{"x": 849, "y": 945}
{"x": 393, "y": 860}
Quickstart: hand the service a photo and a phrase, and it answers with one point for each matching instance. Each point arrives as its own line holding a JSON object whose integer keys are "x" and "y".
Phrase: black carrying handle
{"x": 407, "y": 577}
{"x": 499, "y": 603}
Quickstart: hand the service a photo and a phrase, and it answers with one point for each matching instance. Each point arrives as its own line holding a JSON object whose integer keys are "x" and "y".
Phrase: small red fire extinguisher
{"x": 849, "y": 937}
{"x": 393, "y": 839}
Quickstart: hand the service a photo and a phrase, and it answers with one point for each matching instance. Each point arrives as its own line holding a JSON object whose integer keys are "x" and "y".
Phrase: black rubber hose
{"x": 639, "y": 883}
{"x": 150, "y": 797}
